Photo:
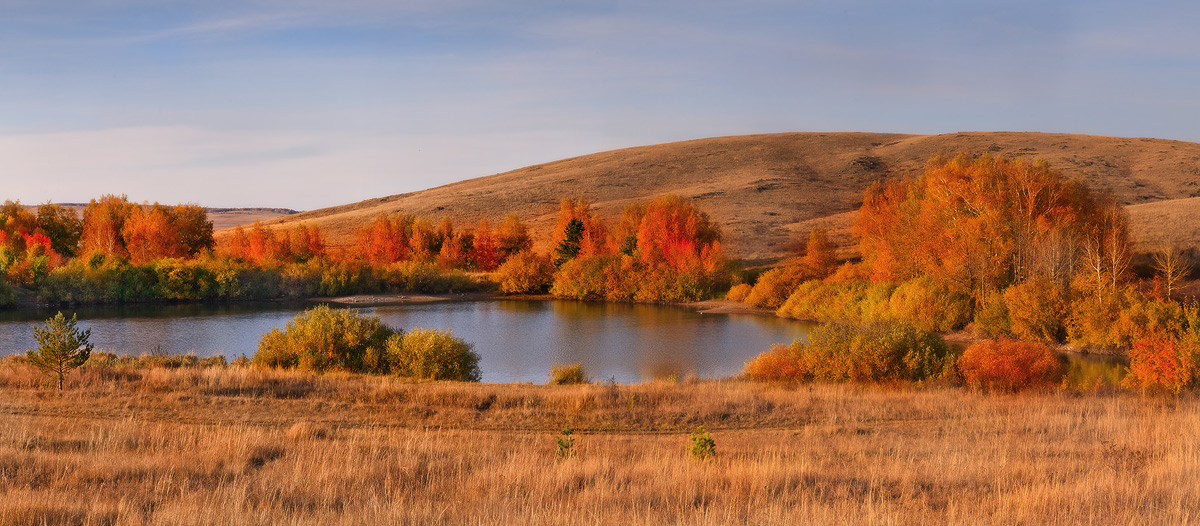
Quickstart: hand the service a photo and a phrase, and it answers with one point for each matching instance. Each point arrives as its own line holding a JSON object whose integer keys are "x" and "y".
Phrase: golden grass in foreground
{"x": 239, "y": 446}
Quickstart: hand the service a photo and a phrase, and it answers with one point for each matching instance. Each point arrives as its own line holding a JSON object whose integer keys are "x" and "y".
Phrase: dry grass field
{"x": 244, "y": 446}
{"x": 767, "y": 190}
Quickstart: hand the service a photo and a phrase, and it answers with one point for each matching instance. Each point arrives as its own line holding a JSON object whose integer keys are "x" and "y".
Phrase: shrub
{"x": 877, "y": 352}
{"x": 1161, "y": 362}
{"x": 739, "y": 292}
{"x": 565, "y": 444}
{"x": 567, "y": 374}
{"x": 525, "y": 273}
{"x": 1010, "y": 365}
{"x": 1037, "y": 310}
{"x": 880, "y": 351}
{"x": 702, "y": 444}
{"x": 991, "y": 316}
{"x": 322, "y": 338}
{"x": 432, "y": 355}
{"x": 774, "y": 286}
{"x": 930, "y": 305}
{"x": 781, "y": 364}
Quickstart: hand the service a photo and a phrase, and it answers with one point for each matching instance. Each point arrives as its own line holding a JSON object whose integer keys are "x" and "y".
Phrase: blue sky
{"x": 312, "y": 103}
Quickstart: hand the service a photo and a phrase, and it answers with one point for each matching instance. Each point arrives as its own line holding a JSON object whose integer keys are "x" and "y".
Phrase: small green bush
{"x": 565, "y": 444}
{"x": 702, "y": 444}
{"x": 432, "y": 355}
{"x": 322, "y": 338}
{"x": 567, "y": 374}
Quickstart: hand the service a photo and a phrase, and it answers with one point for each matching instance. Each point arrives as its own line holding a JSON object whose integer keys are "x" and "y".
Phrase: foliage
{"x": 843, "y": 301}
{"x": 61, "y": 347}
{"x": 991, "y": 315}
{"x": 739, "y": 292}
{"x": 512, "y": 237}
{"x": 774, "y": 286}
{"x": 1037, "y": 310}
{"x": 565, "y": 444}
{"x": 876, "y": 352}
{"x": 930, "y": 305}
{"x": 432, "y": 355}
{"x": 62, "y": 226}
{"x": 1160, "y": 361}
{"x": 321, "y": 339}
{"x": 702, "y": 444}
{"x": 986, "y": 222}
{"x": 568, "y": 248}
{"x": 672, "y": 253}
{"x": 143, "y": 233}
{"x": 1011, "y": 365}
{"x": 783, "y": 363}
{"x": 273, "y": 247}
{"x": 567, "y": 374}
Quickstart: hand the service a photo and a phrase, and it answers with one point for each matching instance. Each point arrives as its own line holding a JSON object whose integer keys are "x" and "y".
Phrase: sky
{"x": 305, "y": 104}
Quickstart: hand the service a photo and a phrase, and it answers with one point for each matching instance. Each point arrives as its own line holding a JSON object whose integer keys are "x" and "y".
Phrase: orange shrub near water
{"x": 1010, "y": 365}
{"x": 1161, "y": 362}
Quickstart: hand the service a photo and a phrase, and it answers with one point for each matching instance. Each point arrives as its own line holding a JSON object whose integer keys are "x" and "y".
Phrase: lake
{"x": 517, "y": 340}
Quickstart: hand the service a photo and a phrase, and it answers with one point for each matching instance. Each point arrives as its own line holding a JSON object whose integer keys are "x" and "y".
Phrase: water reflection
{"x": 517, "y": 340}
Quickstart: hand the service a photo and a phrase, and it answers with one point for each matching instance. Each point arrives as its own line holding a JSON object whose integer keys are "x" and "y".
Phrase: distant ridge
{"x": 768, "y": 190}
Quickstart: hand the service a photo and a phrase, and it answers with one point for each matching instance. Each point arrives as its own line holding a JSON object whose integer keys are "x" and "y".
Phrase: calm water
{"x": 517, "y": 341}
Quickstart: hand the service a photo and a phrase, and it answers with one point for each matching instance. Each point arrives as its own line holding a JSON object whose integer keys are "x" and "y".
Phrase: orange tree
{"x": 986, "y": 222}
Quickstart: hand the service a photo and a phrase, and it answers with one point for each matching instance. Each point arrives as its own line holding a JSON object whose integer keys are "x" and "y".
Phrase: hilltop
{"x": 768, "y": 190}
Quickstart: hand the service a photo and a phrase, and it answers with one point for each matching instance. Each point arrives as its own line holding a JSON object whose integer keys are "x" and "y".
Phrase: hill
{"x": 767, "y": 190}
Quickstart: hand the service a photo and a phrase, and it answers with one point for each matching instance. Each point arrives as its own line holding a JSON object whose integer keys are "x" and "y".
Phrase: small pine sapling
{"x": 61, "y": 347}
{"x": 566, "y": 444}
{"x": 702, "y": 446}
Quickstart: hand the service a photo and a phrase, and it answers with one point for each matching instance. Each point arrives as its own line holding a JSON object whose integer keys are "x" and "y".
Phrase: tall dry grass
{"x": 244, "y": 446}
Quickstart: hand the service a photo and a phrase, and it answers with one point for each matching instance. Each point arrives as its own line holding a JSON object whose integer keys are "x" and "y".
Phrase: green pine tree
{"x": 61, "y": 347}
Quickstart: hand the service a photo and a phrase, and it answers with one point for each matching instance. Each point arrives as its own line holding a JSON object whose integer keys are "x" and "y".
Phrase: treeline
{"x": 1008, "y": 248}
{"x": 120, "y": 252}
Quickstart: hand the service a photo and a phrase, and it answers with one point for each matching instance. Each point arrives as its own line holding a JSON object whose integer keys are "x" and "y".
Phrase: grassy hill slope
{"x": 766, "y": 190}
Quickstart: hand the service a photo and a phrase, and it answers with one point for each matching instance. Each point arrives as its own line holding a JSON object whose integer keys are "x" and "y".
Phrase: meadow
{"x": 240, "y": 445}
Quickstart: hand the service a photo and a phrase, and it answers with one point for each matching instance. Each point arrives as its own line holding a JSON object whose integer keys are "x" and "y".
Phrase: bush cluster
{"x": 525, "y": 273}
{"x": 876, "y": 352}
{"x": 324, "y": 339}
{"x": 1011, "y": 365}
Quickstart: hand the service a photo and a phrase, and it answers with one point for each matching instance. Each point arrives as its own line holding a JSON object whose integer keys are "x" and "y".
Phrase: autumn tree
{"x": 820, "y": 254}
{"x": 148, "y": 235}
{"x": 425, "y": 241}
{"x": 986, "y": 222}
{"x": 1172, "y": 267}
{"x": 673, "y": 233}
{"x": 62, "y": 225}
{"x": 456, "y": 250}
{"x": 593, "y": 236}
{"x": 15, "y": 218}
{"x": 103, "y": 224}
{"x": 386, "y": 240}
{"x": 485, "y": 252}
{"x": 193, "y": 230}
{"x": 512, "y": 237}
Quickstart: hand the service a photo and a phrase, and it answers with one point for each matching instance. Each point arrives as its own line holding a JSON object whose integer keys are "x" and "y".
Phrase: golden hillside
{"x": 766, "y": 189}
